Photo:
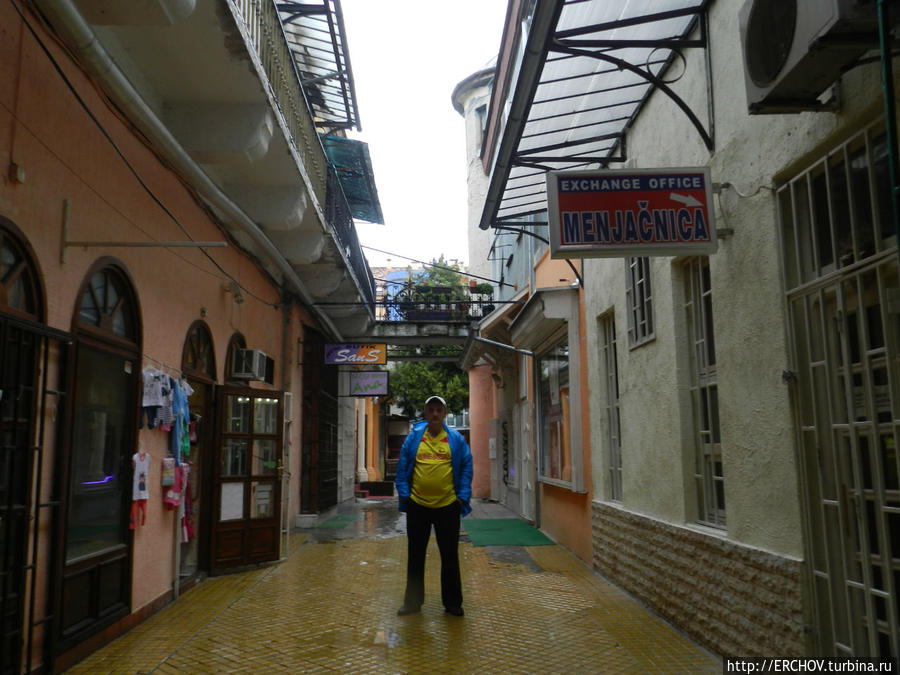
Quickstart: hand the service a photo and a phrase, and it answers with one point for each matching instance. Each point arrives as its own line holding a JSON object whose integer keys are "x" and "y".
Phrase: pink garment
{"x": 172, "y": 498}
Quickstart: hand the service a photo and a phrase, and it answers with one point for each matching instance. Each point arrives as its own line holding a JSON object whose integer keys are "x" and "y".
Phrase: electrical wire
{"x": 99, "y": 125}
{"x": 440, "y": 267}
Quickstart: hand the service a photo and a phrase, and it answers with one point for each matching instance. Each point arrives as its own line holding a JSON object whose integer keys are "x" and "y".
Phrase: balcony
{"x": 216, "y": 86}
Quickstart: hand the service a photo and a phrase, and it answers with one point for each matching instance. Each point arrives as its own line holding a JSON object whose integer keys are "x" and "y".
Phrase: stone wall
{"x": 735, "y": 600}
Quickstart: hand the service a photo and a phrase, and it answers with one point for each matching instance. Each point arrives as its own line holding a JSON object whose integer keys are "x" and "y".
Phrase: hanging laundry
{"x": 172, "y": 497}
{"x": 140, "y": 492}
{"x": 187, "y": 507}
{"x": 154, "y": 390}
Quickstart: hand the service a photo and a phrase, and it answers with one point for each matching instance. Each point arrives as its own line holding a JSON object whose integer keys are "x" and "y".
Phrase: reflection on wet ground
{"x": 331, "y": 607}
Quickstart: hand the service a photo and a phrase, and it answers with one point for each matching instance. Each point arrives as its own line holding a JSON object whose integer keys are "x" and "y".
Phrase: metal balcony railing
{"x": 263, "y": 31}
{"x": 433, "y": 304}
{"x": 337, "y": 212}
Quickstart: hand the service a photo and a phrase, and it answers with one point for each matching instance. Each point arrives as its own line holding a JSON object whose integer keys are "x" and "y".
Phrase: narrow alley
{"x": 529, "y": 609}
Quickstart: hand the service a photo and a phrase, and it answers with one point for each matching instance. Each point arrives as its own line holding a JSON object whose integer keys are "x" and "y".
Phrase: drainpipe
{"x": 79, "y": 35}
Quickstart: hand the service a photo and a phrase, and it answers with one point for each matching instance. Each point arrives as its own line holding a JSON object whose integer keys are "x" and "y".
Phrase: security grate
{"x": 840, "y": 270}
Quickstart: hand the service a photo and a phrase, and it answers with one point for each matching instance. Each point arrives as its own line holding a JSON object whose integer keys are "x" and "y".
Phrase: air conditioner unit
{"x": 795, "y": 49}
{"x": 249, "y": 364}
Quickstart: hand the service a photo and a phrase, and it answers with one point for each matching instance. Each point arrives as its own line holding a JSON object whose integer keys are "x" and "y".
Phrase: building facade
{"x": 742, "y": 403}
{"x": 168, "y": 223}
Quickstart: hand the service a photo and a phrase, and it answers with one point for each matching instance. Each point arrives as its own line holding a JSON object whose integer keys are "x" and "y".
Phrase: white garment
{"x": 141, "y": 489}
{"x": 154, "y": 390}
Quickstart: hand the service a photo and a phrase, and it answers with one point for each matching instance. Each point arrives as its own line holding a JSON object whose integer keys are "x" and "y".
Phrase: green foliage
{"x": 412, "y": 382}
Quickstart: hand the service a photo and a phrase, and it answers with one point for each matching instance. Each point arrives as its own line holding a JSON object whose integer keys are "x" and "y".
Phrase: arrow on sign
{"x": 687, "y": 200}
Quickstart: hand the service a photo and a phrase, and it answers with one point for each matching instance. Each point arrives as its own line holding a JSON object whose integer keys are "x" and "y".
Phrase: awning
{"x": 588, "y": 67}
{"x": 315, "y": 33}
{"x": 353, "y": 165}
{"x": 544, "y": 316}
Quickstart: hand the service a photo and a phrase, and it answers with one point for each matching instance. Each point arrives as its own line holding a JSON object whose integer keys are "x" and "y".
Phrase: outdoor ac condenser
{"x": 249, "y": 364}
{"x": 795, "y": 49}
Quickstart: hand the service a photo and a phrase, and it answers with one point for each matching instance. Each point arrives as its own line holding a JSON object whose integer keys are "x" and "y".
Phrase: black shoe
{"x": 403, "y": 611}
{"x": 455, "y": 611}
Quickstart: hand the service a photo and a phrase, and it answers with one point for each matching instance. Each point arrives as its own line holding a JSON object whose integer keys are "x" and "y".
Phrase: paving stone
{"x": 330, "y": 607}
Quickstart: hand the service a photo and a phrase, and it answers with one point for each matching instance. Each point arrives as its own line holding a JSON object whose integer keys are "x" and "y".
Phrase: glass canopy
{"x": 588, "y": 67}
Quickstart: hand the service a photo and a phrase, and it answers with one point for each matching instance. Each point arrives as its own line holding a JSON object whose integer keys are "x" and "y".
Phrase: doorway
{"x": 247, "y": 484}
{"x": 840, "y": 270}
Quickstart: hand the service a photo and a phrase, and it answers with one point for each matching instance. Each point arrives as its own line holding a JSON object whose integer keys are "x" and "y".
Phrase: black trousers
{"x": 419, "y": 520}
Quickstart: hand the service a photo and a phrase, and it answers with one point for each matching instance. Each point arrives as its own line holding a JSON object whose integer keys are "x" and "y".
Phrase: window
{"x": 19, "y": 291}
{"x": 556, "y": 450}
{"x": 841, "y": 286}
{"x": 708, "y": 476}
{"x": 102, "y": 438}
{"x": 639, "y": 300}
{"x": 609, "y": 360}
{"x": 198, "y": 356}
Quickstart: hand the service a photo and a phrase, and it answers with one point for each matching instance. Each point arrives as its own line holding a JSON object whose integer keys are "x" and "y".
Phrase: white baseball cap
{"x": 435, "y": 397}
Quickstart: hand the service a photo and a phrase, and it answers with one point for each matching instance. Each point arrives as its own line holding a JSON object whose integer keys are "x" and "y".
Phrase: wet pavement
{"x": 330, "y": 607}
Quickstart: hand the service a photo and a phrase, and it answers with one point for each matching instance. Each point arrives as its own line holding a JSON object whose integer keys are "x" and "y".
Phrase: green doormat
{"x": 504, "y": 532}
{"x": 338, "y": 522}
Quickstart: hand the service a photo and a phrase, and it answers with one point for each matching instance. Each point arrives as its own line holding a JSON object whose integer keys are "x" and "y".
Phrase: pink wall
{"x": 481, "y": 411}
{"x": 65, "y": 157}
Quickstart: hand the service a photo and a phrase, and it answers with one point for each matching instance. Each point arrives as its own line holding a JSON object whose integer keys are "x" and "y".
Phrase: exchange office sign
{"x": 355, "y": 354}
{"x": 620, "y": 214}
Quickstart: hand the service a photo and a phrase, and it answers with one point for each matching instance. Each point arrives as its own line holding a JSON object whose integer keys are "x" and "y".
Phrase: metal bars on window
{"x": 609, "y": 359}
{"x": 708, "y": 473}
{"x": 639, "y": 301}
{"x": 840, "y": 271}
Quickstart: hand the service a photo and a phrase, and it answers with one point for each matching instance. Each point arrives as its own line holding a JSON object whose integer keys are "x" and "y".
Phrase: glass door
{"x": 247, "y": 504}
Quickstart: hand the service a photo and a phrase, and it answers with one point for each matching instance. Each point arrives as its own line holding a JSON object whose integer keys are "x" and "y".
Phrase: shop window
{"x": 103, "y": 411}
{"x": 555, "y": 415}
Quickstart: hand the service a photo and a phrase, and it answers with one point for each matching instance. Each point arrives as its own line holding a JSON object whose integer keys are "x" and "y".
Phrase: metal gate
{"x": 31, "y": 409}
{"x": 840, "y": 267}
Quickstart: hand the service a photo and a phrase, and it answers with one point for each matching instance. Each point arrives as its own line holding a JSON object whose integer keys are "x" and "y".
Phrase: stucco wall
{"x": 481, "y": 412}
{"x": 761, "y": 478}
{"x": 66, "y": 158}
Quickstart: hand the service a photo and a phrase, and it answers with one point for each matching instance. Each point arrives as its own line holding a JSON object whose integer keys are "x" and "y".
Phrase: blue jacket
{"x": 460, "y": 461}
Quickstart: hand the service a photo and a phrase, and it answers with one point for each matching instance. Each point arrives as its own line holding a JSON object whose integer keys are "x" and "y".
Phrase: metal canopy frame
{"x": 315, "y": 33}
{"x": 589, "y": 68}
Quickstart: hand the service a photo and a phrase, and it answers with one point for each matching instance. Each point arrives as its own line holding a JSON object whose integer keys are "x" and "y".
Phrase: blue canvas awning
{"x": 353, "y": 166}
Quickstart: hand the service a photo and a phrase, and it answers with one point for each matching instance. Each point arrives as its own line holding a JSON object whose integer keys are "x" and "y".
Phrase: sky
{"x": 407, "y": 57}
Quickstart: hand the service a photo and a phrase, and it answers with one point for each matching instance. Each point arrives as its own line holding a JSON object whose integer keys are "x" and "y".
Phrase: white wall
{"x": 758, "y": 445}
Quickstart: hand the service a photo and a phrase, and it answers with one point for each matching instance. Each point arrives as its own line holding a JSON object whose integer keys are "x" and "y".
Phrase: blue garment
{"x": 182, "y": 413}
{"x": 460, "y": 461}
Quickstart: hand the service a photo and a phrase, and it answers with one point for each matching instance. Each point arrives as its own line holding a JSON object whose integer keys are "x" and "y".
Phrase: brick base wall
{"x": 735, "y": 600}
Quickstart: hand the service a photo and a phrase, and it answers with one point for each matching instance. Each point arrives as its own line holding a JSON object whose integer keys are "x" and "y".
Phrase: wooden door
{"x": 247, "y": 491}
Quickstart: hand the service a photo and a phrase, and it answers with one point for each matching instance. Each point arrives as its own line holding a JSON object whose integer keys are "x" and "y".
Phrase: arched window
{"x": 199, "y": 358}
{"x": 107, "y": 305}
{"x": 19, "y": 285}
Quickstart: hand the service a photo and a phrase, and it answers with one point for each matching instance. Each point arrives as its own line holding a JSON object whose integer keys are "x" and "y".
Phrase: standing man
{"x": 434, "y": 482}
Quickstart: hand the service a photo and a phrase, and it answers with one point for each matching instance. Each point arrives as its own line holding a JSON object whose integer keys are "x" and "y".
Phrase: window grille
{"x": 842, "y": 289}
{"x": 609, "y": 359}
{"x": 639, "y": 301}
{"x": 708, "y": 475}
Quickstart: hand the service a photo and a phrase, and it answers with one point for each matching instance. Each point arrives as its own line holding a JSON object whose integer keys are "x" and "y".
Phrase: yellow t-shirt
{"x": 432, "y": 483}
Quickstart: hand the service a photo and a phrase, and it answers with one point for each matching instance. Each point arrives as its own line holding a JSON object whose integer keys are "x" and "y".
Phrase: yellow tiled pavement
{"x": 331, "y": 608}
